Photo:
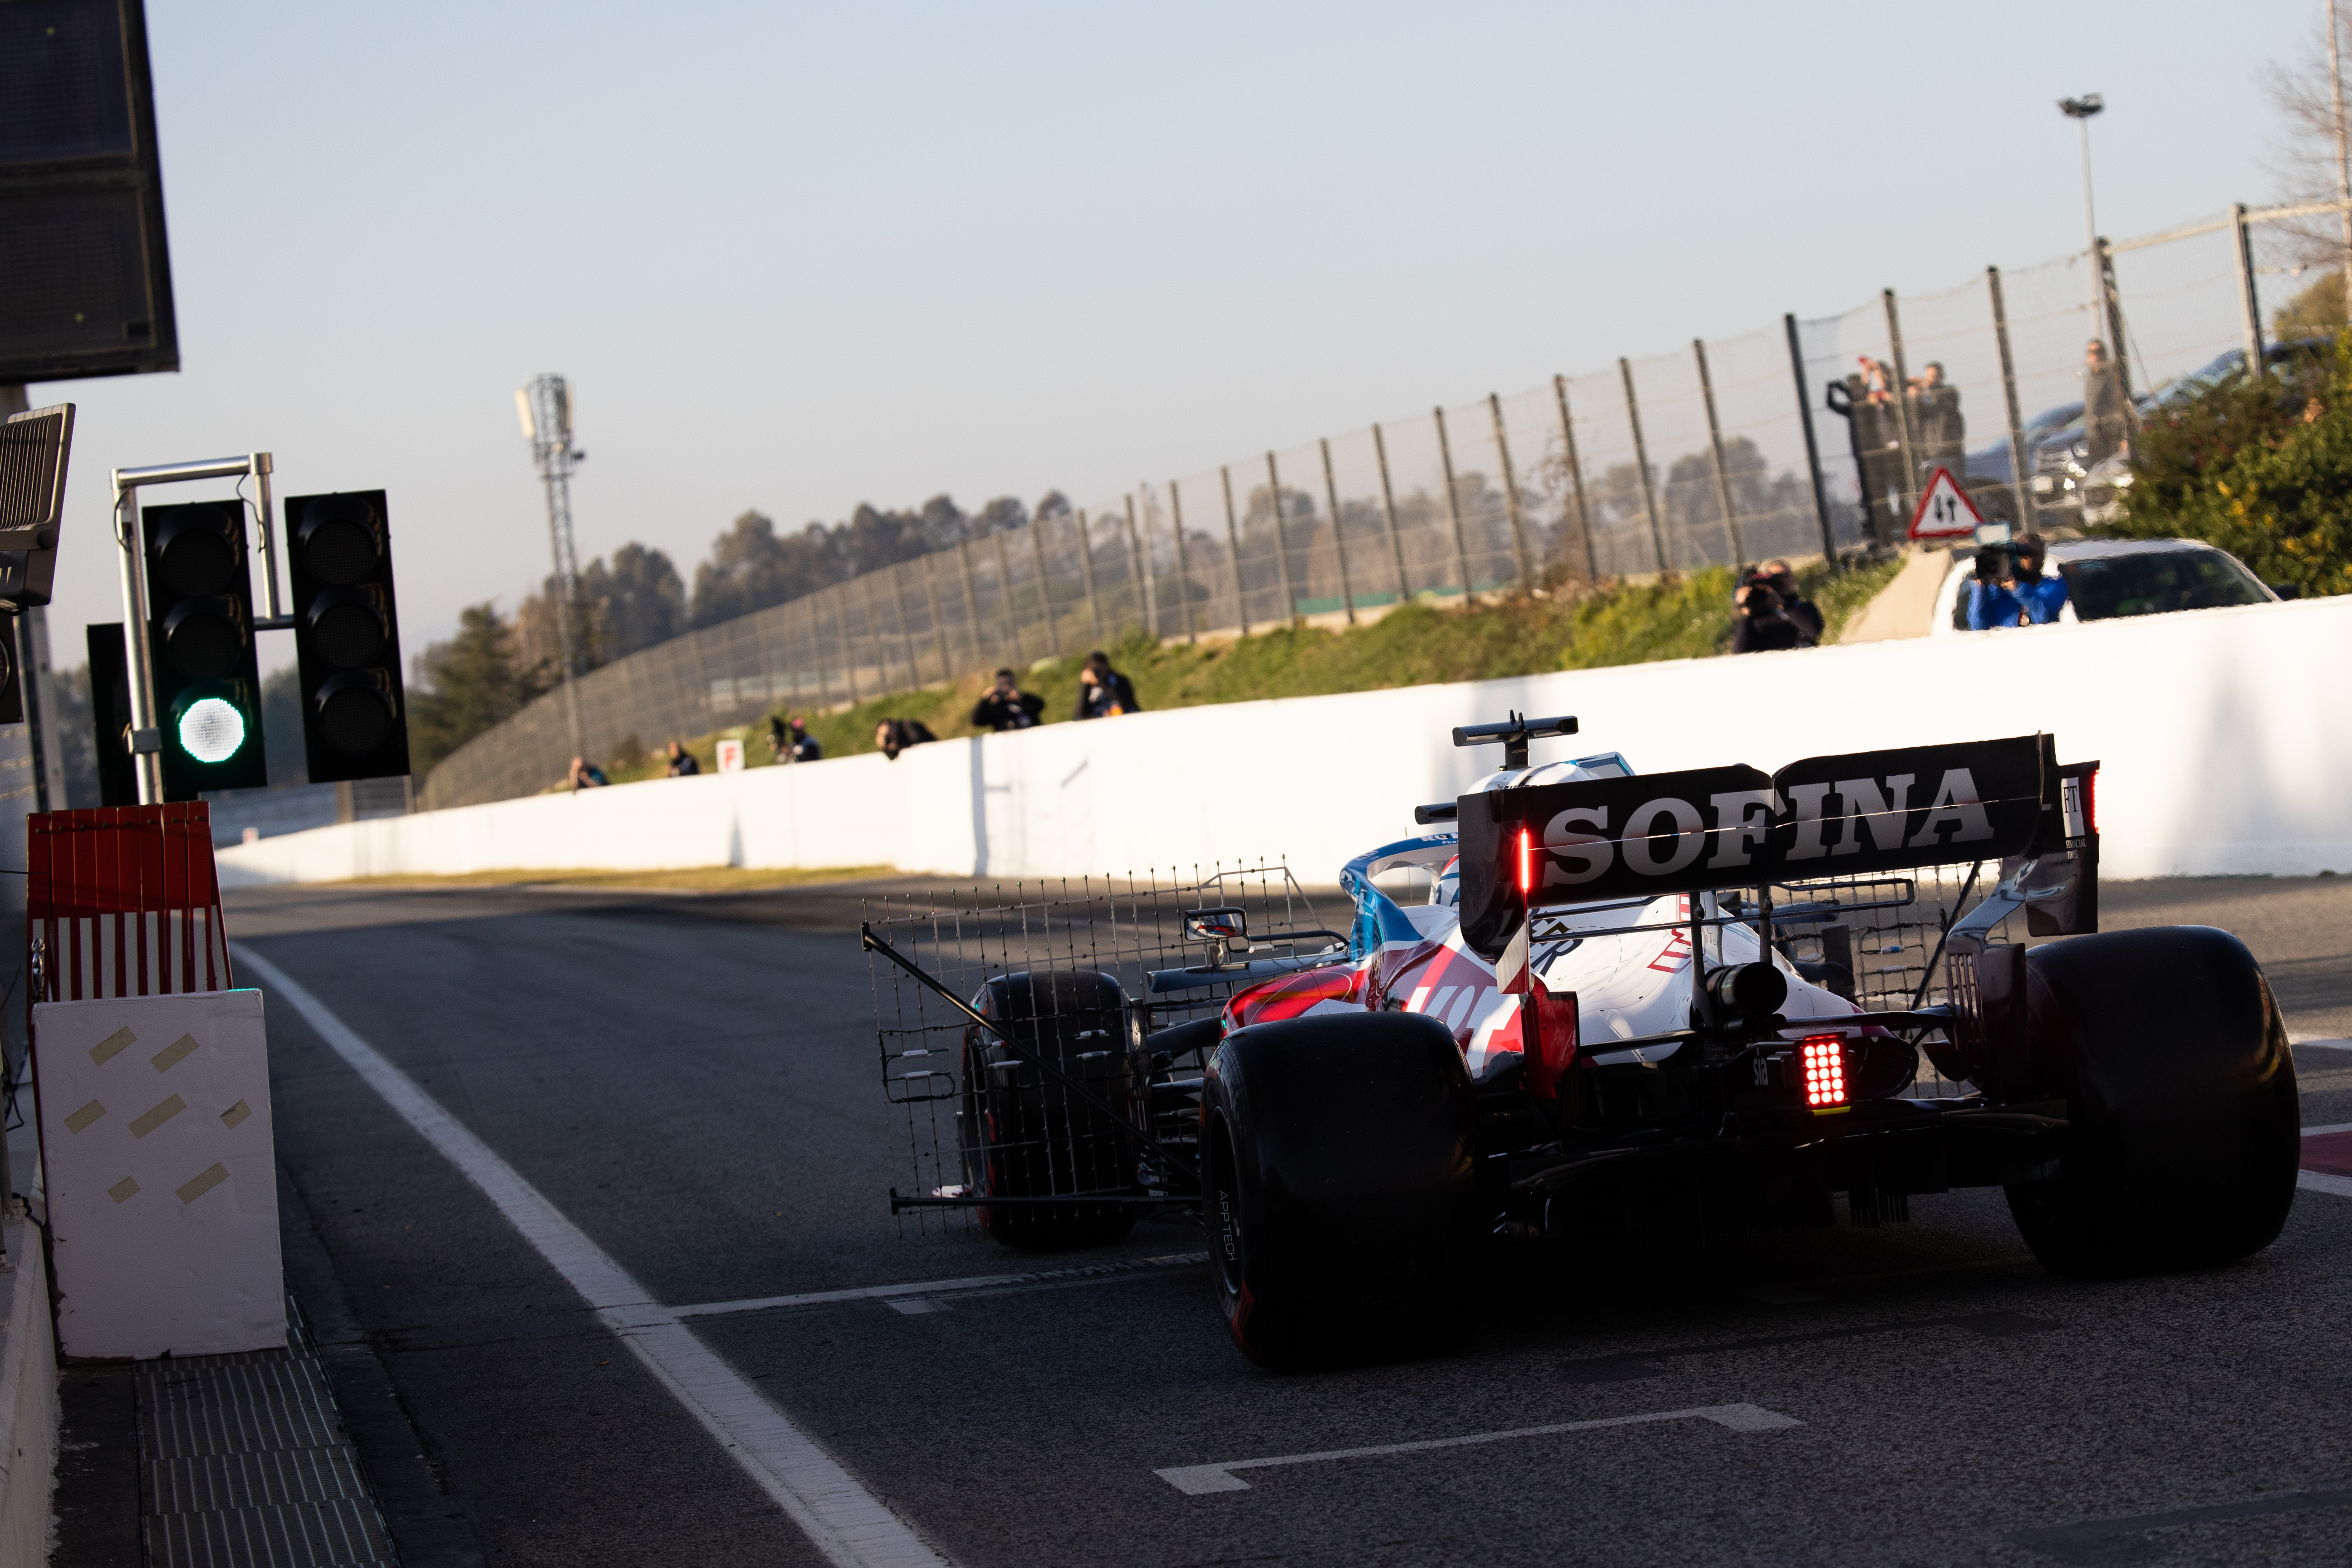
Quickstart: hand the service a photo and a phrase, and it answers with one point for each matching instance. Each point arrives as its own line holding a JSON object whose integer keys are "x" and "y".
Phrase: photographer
{"x": 792, "y": 743}
{"x": 1104, "y": 692}
{"x": 2009, "y": 589}
{"x": 1007, "y": 708}
{"x": 1760, "y": 623}
{"x": 894, "y": 736}
{"x": 1777, "y": 576}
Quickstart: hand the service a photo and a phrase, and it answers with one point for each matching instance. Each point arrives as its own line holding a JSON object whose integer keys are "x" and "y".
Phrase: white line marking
{"x": 2299, "y": 1042}
{"x": 849, "y": 1524}
{"x": 1196, "y": 1480}
{"x": 1041, "y": 1277}
{"x": 2321, "y": 1182}
{"x": 2331, "y": 1127}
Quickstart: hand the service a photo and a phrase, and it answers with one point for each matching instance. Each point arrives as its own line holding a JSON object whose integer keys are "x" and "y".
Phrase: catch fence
{"x": 1732, "y": 451}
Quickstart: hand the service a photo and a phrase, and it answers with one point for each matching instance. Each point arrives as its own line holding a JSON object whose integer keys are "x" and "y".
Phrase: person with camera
{"x": 1104, "y": 692}
{"x": 1007, "y": 707}
{"x": 2010, "y": 590}
{"x": 894, "y": 736}
{"x": 792, "y": 742}
{"x": 1761, "y": 621}
{"x": 1778, "y": 576}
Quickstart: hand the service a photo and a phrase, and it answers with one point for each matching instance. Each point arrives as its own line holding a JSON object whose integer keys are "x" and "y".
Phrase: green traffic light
{"x": 212, "y": 730}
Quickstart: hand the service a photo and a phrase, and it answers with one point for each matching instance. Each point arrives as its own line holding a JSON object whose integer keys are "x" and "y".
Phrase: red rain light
{"x": 2090, "y": 800}
{"x": 1823, "y": 1059}
{"x": 1527, "y": 864}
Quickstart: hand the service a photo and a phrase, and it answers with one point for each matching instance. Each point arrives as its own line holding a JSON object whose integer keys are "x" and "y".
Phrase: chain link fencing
{"x": 1814, "y": 438}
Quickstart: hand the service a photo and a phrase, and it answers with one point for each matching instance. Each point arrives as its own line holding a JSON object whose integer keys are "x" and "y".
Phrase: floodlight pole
{"x": 545, "y": 407}
{"x": 2079, "y": 110}
{"x": 146, "y": 734}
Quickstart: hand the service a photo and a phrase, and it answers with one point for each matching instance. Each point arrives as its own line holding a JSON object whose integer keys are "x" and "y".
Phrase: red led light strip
{"x": 1823, "y": 1057}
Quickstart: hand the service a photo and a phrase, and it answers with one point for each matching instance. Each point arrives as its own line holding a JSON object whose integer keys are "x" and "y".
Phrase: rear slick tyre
{"x": 2184, "y": 1135}
{"x": 1341, "y": 1190}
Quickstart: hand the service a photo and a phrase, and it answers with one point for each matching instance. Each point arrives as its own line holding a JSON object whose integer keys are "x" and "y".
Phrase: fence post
{"x": 1339, "y": 536}
{"x": 1454, "y": 509}
{"x": 1576, "y": 477}
{"x": 1183, "y": 564}
{"x": 841, "y": 642}
{"x": 1642, "y": 462}
{"x": 2250, "y": 314}
{"x": 1087, "y": 567}
{"x": 2115, "y": 300}
{"x": 970, "y": 602}
{"x": 1388, "y": 510}
{"x": 1511, "y": 495}
{"x": 1731, "y": 532}
{"x": 1044, "y": 591}
{"x": 1004, "y": 597}
{"x": 1139, "y": 556}
{"x": 1901, "y": 395}
{"x": 1281, "y": 542}
{"x": 1234, "y": 538}
{"x": 939, "y": 626}
{"x": 1812, "y": 445}
{"x": 2021, "y": 481}
{"x": 906, "y": 634}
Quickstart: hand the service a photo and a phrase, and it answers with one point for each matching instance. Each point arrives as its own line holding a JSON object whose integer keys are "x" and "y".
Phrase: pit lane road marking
{"x": 1196, "y": 1480}
{"x": 851, "y": 1526}
{"x": 977, "y": 1284}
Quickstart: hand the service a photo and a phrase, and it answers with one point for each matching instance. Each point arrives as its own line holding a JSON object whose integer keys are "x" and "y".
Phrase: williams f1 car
{"x": 1586, "y": 1002}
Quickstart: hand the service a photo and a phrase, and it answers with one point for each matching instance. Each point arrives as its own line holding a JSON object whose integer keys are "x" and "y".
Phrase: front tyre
{"x": 2184, "y": 1134}
{"x": 1340, "y": 1184}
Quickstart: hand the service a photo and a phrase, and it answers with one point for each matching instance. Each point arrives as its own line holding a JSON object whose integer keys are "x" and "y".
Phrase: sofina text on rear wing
{"x": 1856, "y": 814}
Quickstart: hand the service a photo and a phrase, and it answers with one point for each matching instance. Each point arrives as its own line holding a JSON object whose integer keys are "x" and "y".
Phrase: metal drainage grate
{"x": 247, "y": 1466}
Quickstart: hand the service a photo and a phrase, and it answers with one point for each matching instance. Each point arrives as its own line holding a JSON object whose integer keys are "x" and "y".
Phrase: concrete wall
{"x": 2226, "y": 737}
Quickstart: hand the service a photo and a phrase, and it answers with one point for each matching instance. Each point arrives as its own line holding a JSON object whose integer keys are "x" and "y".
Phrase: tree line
{"x": 636, "y": 598}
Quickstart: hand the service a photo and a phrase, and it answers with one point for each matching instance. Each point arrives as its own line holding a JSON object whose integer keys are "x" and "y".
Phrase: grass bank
{"x": 1679, "y": 616}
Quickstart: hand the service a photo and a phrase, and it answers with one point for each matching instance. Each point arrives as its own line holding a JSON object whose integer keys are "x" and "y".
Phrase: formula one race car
{"x": 1695, "y": 1000}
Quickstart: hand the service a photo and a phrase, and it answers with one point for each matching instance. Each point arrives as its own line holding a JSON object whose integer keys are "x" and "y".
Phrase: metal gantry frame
{"x": 146, "y": 735}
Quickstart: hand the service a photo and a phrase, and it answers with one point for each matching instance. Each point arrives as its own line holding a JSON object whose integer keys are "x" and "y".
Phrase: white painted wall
{"x": 2226, "y": 737}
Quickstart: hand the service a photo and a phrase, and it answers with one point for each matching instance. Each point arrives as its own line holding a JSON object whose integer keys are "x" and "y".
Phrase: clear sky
{"x": 795, "y": 257}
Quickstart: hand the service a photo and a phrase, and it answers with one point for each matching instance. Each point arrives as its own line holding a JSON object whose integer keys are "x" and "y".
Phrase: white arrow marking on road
{"x": 850, "y": 1525}
{"x": 1198, "y": 1479}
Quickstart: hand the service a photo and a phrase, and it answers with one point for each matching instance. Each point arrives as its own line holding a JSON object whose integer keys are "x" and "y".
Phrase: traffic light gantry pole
{"x": 146, "y": 734}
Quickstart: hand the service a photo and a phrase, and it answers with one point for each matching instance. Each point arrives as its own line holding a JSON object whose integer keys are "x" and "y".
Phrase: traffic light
{"x": 347, "y": 637}
{"x": 200, "y": 634}
{"x": 110, "y": 712}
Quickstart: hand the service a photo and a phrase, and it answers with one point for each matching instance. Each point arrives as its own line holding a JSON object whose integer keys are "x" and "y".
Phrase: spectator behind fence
{"x": 792, "y": 742}
{"x": 1007, "y": 707}
{"x": 2106, "y": 413}
{"x": 894, "y": 736}
{"x": 1777, "y": 577}
{"x": 1872, "y": 419}
{"x": 2009, "y": 589}
{"x": 586, "y": 775}
{"x": 682, "y": 764}
{"x": 1104, "y": 692}
{"x": 1938, "y": 433}
{"x": 1761, "y": 624}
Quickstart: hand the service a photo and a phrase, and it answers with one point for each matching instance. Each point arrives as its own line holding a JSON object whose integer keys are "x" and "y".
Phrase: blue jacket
{"x": 1992, "y": 605}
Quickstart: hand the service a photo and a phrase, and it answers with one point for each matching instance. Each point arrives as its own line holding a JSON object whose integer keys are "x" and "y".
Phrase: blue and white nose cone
{"x": 212, "y": 730}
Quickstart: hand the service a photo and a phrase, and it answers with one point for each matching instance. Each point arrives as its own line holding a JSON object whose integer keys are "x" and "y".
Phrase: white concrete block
{"x": 162, "y": 1173}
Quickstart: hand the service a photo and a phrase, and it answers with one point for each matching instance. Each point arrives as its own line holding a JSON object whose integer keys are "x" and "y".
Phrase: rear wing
{"x": 1860, "y": 814}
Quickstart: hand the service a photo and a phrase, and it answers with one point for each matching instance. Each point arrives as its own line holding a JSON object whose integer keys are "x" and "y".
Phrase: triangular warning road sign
{"x": 1944, "y": 512}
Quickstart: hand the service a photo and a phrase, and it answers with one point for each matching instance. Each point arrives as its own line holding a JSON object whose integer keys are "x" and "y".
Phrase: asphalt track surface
{"x": 691, "y": 1083}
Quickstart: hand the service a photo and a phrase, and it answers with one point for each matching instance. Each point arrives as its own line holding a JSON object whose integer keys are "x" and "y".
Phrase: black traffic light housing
{"x": 110, "y": 712}
{"x": 347, "y": 637}
{"x": 200, "y": 636}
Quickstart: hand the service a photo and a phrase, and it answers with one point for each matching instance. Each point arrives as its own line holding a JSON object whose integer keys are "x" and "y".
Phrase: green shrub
{"x": 2257, "y": 470}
